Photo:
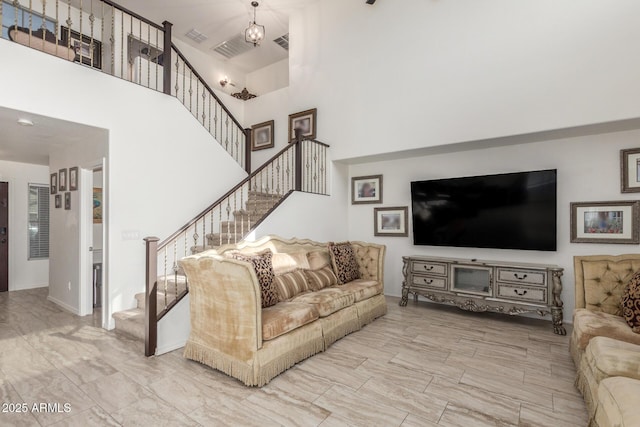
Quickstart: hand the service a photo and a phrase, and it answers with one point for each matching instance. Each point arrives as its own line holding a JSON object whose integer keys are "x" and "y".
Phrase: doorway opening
{"x": 93, "y": 263}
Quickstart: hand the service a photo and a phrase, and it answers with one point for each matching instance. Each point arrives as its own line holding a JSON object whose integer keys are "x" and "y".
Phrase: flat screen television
{"x": 503, "y": 211}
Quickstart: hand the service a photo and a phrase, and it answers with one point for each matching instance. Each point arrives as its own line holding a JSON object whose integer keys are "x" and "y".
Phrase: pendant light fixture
{"x": 254, "y": 33}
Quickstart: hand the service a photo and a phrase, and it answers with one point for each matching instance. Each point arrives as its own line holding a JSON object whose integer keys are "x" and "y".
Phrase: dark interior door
{"x": 4, "y": 236}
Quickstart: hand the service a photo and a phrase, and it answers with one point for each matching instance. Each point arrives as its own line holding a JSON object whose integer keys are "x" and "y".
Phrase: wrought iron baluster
{"x": 102, "y": 15}
{"x": 44, "y": 22}
{"x": 157, "y": 58}
{"x": 92, "y": 51}
{"x": 177, "y": 74}
{"x": 184, "y": 80}
{"x": 122, "y": 44}
{"x": 30, "y": 21}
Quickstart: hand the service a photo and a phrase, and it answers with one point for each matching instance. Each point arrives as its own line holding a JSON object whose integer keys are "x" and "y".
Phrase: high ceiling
{"x": 220, "y": 21}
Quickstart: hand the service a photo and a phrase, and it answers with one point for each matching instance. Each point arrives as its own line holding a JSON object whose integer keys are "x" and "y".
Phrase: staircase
{"x": 131, "y": 322}
{"x": 170, "y": 287}
{"x": 300, "y": 166}
{"x": 159, "y": 65}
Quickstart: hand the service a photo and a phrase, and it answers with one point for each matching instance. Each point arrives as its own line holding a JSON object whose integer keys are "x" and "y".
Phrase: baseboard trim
{"x": 64, "y": 305}
{"x": 170, "y": 347}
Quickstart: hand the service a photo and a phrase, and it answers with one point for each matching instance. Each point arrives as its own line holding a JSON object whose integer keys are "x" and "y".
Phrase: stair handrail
{"x": 206, "y": 85}
{"x": 198, "y": 217}
{"x": 309, "y": 155}
{"x": 240, "y": 136}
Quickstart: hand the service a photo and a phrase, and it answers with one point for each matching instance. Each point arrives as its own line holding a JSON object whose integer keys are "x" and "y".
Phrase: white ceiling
{"x": 221, "y": 20}
{"x": 33, "y": 144}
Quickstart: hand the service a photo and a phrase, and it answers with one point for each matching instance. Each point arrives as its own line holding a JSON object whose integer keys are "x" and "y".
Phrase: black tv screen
{"x": 504, "y": 211}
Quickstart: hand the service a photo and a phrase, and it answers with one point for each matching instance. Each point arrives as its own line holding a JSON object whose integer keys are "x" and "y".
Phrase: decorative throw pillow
{"x": 344, "y": 262}
{"x": 318, "y": 259}
{"x": 264, "y": 271}
{"x": 321, "y": 278}
{"x": 287, "y": 262}
{"x": 291, "y": 284}
{"x": 631, "y": 303}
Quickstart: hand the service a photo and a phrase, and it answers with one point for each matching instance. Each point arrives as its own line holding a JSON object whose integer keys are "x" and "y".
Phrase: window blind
{"x": 38, "y": 220}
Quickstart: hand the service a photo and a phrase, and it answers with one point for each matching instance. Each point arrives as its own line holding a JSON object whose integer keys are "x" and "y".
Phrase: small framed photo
{"x": 62, "y": 180}
{"x": 605, "y": 222}
{"x": 53, "y": 185}
{"x": 366, "y": 189}
{"x": 305, "y": 121}
{"x": 97, "y": 205}
{"x": 630, "y": 170}
{"x": 390, "y": 221}
{"x": 262, "y": 136}
{"x": 67, "y": 201}
{"x": 58, "y": 201}
{"x": 73, "y": 178}
{"x": 85, "y": 47}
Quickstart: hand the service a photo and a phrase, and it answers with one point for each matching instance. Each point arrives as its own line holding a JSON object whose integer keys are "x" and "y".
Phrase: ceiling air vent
{"x": 283, "y": 41}
{"x": 233, "y": 47}
{"x": 196, "y": 36}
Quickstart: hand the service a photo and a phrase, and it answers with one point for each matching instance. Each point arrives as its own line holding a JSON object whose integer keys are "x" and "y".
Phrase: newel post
{"x": 247, "y": 150}
{"x": 298, "y": 165}
{"x": 151, "y": 297}
{"x": 166, "y": 58}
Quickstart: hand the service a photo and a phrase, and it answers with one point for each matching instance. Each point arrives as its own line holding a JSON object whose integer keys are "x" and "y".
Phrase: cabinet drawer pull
{"x": 524, "y": 276}
{"x": 520, "y": 293}
{"x": 428, "y": 268}
{"x": 427, "y": 281}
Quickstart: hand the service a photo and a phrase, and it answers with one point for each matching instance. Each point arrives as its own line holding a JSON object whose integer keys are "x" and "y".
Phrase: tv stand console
{"x": 474, "y": 285}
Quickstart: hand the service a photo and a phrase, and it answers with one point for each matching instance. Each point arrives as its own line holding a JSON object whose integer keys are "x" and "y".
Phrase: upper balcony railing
{"x": 107, "y": 37}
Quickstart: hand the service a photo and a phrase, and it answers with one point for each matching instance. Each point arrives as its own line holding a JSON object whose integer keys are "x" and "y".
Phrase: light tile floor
{"x": 420, "y": 365}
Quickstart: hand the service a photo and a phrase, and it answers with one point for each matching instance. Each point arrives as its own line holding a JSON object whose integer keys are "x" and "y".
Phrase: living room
{"x": 422, "y": 91}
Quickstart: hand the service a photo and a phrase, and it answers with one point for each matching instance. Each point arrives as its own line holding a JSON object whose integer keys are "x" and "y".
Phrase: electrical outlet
{"x": 69, "y": 285}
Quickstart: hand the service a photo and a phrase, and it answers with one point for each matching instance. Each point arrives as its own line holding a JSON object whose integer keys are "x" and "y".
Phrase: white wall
{"x": 270, "y": 106}
{"x": 426, "y": 73}
{"x": 588, "y": 170}
{"x": 23, "y": 273}
{"x": 65, "y": 247}
{"x": 162, "y": 166}
{"x": 269, "y": 78}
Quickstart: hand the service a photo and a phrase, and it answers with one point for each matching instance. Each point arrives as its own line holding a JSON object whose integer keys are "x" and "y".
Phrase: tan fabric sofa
{"x": 231, "y": 332}
{"x": 605, "y": 350}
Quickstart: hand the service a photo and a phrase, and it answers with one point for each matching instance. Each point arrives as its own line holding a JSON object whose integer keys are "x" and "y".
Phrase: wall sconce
{"x": 224, "y": 81}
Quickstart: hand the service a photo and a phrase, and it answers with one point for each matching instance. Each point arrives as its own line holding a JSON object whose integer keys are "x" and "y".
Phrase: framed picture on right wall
{"x": 630, "y": 170}
{"x": 605, "y": 222}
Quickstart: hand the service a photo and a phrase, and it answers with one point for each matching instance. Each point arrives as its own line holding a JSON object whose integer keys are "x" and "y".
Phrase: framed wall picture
{"x": 97, "y": 205}
{"x": 73, "y": 178}
{"x": 305, "y": 121}
{"x": 391, "y": 221}
{"x": 58, "y": 201}
{"x": 88, "y": 50}
{"x": 366, "y": 189}
{"x": 67, "y": 201}
{"x": 630, "y": 170}
{"x": 53, "y": 184}
{"x": 262, "y": 136}
{"x": 605, "y": 222}
{"x": 62, "y": 180}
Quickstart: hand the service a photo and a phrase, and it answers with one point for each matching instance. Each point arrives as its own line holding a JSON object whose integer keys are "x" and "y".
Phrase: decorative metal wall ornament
{"x": 244, "y": 95}
{"x": 255, "y": 33}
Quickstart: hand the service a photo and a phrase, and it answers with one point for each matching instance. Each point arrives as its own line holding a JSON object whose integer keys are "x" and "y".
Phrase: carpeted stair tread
{"x": 130, "y": 322}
